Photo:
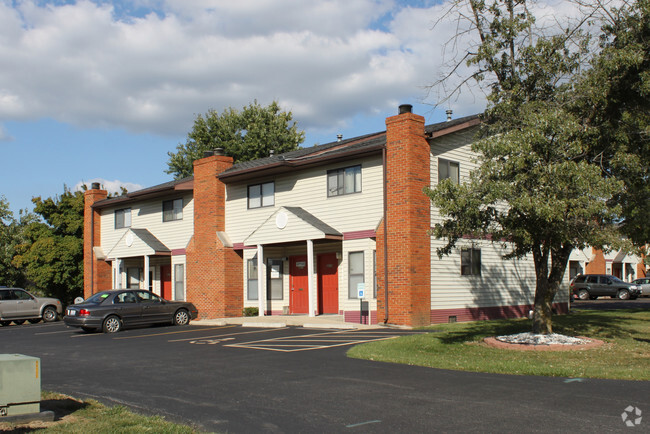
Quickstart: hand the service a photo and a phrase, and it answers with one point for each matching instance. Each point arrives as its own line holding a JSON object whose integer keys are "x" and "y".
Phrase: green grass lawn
{"x": 74, "y": 416}
{"x": 625, "y": 355}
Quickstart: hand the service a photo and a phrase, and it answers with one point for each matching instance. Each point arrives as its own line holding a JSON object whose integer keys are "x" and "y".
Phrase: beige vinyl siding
{"x": 367, "y": 246}
{"x": 308, "y": 189}
{"x": 148, "y": 215}
{"x": 502, "y": 282}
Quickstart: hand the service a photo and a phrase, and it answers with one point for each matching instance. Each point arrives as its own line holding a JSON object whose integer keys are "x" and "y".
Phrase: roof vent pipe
{"x": 208, "y": 154}
{"x": 449, "y": 113}
{"x": 339, "y": 137}
{"x": 94, "y": 186}
{"x": 271, "y": 153}
{"x": 405, "y": 108}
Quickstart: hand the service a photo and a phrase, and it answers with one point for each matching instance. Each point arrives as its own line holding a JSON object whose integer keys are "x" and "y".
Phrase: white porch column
{"x": 118, "y": 274}
{"x": 310, "y": 277}
{"x": 261, "y": 298}
{"x": 146, "y": 272}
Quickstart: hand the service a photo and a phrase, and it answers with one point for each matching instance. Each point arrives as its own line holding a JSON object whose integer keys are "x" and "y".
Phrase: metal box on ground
{"x": 20, "y": 384}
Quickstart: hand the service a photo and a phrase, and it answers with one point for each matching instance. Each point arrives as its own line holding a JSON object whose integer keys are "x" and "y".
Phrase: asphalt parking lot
{"x": 237, "y": 379}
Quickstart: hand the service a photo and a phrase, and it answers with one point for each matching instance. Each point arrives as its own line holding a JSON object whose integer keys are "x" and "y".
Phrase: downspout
{"x": 383, "y": 155}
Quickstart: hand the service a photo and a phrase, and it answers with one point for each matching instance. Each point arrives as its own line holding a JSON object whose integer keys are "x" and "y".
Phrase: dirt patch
{"x": 593, "y": 343}
{"x": 63, "y": 409}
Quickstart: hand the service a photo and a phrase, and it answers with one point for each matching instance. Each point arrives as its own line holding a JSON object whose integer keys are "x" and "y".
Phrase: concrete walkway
{"x": 278, "y": 321}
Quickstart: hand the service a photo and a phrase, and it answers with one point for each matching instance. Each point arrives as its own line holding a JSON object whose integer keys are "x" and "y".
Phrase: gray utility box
{"x": 20, "y": 385}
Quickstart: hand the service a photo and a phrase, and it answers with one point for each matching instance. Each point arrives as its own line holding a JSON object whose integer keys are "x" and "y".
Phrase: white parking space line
{"x": 226, "y": 335}
{"x": 320, "y": 341}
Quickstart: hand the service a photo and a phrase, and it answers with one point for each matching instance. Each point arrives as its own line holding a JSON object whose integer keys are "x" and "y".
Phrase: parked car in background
{"x": 592, "y": 286}
{"x": 644, "y": 284}
{"x": 18, "y": 305}
{"x": 117, "y": 308}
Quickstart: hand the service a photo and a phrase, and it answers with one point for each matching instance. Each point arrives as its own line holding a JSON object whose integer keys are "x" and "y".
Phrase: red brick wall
{"x": 214, "y": 272}
{"x": 98, "y": 278}
{"x": 409, "y": 219}
{"x": 598, "y": 265}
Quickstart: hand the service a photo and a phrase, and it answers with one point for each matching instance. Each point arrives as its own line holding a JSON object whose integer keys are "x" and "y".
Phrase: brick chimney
{"x": 214, "y": 270}
{"x": 408, "y": 218}
{"x": 97, "y": 272}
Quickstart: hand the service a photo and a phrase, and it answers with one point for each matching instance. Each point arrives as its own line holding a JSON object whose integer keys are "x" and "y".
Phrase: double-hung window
{"x": 260, "y": 195}
{"x": 355, "y": 273}
{"x": 123, "y": 218}
{"x": 251, "y": 277}
{"x": 448, "y": 169}
{"x": 344, "y": 181}
{"x": 275, "y": 289}
{"x": 172, "y": 210}
{"x": 470, "y": 262}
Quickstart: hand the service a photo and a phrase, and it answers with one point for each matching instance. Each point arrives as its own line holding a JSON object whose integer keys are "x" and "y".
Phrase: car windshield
{"x": 97, "y": 298}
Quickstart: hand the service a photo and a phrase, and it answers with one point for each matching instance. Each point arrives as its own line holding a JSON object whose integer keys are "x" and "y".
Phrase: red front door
{"x": 166, "y": 281}
{"x": 328, "y": 283}
{"x": 299, "y": 298}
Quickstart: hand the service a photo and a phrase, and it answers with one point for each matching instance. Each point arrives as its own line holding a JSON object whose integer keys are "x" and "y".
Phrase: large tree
{"x": 537, "y": 190}
{"x": 613, "y": 97}
{"x": 244, "y": 135}
{"x": 51, "y": 254}
{"x": 10, "y": 236}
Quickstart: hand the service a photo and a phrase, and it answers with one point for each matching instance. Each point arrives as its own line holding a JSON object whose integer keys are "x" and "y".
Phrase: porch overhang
{"x": 138, "y": 242}
{"x": 291, "y": 224}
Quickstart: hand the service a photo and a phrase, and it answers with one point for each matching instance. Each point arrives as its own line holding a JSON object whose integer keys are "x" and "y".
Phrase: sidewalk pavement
{"x": 279, "y": 321}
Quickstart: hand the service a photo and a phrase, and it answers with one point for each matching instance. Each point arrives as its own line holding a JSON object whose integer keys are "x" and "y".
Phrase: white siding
{"x": 502, "y": 282}
{"x": 148, "y": 215}
{"x": 308, "y": 189}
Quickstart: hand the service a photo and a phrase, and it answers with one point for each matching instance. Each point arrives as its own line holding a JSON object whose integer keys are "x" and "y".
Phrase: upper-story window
{"x": 260, "y": 195}
{"x": 172, "y": 210}
{"x": 470, "y": 261}
{"x": 448, "y": 169}
{"x": 123, "y": 218}
{"x": 344, "y": 181}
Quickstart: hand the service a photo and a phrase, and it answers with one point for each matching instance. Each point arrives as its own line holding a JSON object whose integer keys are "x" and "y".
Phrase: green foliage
{"x": 613, "y": 96}
{"x": 251, "y": 311}
{"x": 51, "y": 252}
{"x": 10, "y": 237}
{"x": 539, "y": 185}
{"x": 244, "y": 135}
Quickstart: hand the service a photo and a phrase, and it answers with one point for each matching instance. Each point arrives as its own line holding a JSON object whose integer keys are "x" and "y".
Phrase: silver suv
{"x": 591, "y": 286}
{"x": 18, "y": 305}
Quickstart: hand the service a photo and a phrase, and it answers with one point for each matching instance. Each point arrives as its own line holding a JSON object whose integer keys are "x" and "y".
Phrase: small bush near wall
{"x": 251, "y": 311}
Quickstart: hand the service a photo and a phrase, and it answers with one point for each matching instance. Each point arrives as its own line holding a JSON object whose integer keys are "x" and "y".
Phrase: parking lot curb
{"x": 267, "y": 325}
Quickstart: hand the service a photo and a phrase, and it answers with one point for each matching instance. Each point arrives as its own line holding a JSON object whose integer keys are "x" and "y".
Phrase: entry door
{"x": 299, "y": 298}
{"x": 166, "y": 281}
{"x": 328, "y": 283}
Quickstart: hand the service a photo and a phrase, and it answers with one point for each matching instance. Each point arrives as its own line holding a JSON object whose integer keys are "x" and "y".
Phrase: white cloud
{"x": 90, "y": 65}
{"x": 112, "y": 187}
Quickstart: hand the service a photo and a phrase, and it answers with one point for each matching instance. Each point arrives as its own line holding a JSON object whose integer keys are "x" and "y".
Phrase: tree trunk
{"x": 543, "y": 312}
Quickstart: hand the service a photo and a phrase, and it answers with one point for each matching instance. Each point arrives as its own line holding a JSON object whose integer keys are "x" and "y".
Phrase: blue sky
{"x": 102, "y": 90}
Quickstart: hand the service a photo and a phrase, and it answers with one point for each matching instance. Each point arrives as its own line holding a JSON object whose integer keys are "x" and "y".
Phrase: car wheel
{"x": 19, "y": 321}
{"x": 112, "y": 324}
{"x": 181, "y": 317}
{"x": 49, "y": 314}
{"x": 623, "y": 294}
{"x": 88, "y": 329}
{"x": 34, "y": 320}
{"x": 583, "y": 294}
{"x": 5, "y": 323}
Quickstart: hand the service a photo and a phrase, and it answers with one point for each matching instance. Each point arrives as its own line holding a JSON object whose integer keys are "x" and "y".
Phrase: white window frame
{"x": 353, "y": 277}
{"x": 449, "y": 165}
{"x": 122, "y": 218}
{"x": 174, "y": 213}
{"x": 470, "y": 261}
{"x": 344, "y": 181}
